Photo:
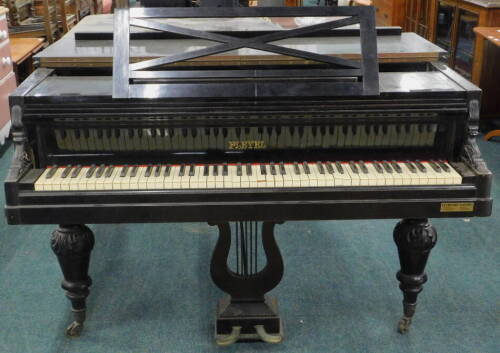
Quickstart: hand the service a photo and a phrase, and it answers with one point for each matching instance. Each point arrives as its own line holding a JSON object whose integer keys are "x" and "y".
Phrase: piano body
{"x": 245, "y": 149}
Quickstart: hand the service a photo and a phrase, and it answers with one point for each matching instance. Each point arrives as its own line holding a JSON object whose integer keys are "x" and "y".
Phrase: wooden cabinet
{"x": 411, "y": 15}
{"x": 454, "y": 22}
{"x": 389, "y": 12}
{"x": 7, "y": 76}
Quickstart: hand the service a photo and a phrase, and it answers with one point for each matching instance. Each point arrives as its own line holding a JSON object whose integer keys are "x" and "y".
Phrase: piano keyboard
{"x": 249, "y": 175}
{"x": 215, "y": 138}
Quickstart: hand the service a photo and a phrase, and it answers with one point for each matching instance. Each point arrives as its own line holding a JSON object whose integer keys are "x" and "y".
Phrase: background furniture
{"x": 7, "y": 76}
{"x": 22, "y": 51}
{"x": 454, "y": 21}
{"x": 488, "y": 44}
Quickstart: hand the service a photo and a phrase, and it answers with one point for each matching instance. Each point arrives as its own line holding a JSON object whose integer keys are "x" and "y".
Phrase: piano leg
{"x": 414, "y": 238}
{"x": 247, "y": 314}
{"x": 72, "y": 244}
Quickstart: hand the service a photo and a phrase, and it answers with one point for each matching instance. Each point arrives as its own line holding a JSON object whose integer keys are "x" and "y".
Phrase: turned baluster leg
{"x": 72, "y": 244}
{"x": 414, "y": 238}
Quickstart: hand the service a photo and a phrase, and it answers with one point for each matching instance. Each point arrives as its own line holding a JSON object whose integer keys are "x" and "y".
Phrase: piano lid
{"x": 390, "y": 82}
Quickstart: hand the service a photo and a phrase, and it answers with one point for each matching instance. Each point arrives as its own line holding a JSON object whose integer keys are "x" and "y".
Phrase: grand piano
{"x": 244, "y": 148}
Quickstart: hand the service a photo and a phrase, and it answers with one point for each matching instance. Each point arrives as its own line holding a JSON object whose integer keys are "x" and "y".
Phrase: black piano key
{"x": 329, "y": 168}
{"x": 378, "y": 167}
{"x": 100, "y": 171}
{"x": 109, "y": 133}
{"x": 109, "y": 171}
{"x": 396, "y": 167}
{"x": 182, "y": 170}
{"x": 168, "y": 169}
{"x": 444, "y": 167}
{"x": 435, "y": 166}
{"x": 263, "y": 169}
{"x": 239, "y": 172}
{"x": 421, "y": 167}
{"x": 411, "y": 167}
{"x": 272, "y": 167}
{"x": 249, "y": 169}
{"x": 76, "y": 171}
{"x": 206, "y": 170}
{"x": 306, "y": 168}
{"x": 321, "y": 169}
{"x": 90, "y": 171}
{"x": 86, "y": 133}
{"x": 339, "y": 167}
{"x": 100, "y": 134}
{"x": 387, "y": 167}
{"x": 363, "y": 167}
{"x": 124, "y": 171}
{"x": 191, "y": 170}
{"x": 215, "y": 170}
{"x": 130, "y": 132}
{"x": 149, "y": 170}
{"x": 157, "y": 171}
{"x": 225, "y": 170}
{"x": 133, "y": 172}
{"x": 51, "y": 172}
{"x": 354, "y": 167}
{"x": 282, "y": 168}
{"x": 66, "y": 171}
{"x": 296, "y": 168}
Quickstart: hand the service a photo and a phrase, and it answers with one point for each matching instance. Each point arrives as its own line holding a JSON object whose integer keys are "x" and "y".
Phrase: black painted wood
{"x": 248, "y": 306}
{"x": 72, "y": 245}
{"x": 414, "y": 238}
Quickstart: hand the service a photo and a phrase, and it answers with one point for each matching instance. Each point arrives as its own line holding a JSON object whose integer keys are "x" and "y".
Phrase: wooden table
{"x": 491, "y": 34}
{"x": 22, "y": 50}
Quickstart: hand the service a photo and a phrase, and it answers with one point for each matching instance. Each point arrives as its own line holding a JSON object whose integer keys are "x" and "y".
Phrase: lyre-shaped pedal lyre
{"x": 247, "y": 312}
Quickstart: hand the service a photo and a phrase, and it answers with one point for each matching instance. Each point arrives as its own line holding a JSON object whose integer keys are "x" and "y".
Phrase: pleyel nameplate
{"x": 457, "y": 206}
{"x": 246, "y": 145}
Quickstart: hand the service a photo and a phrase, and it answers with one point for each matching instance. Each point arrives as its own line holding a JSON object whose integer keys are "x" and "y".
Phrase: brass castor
{"x": 404, "y": 325}
{"x": 74, "y": 329}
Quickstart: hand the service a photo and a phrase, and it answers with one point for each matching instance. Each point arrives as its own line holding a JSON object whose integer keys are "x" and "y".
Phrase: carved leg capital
{"x": 72, "y": 245}
{"x": 414, "y": 238}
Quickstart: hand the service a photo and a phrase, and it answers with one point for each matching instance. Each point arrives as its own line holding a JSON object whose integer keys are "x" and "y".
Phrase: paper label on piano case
{"x": 246, "y": 145}
{"x": 457, "y": 206}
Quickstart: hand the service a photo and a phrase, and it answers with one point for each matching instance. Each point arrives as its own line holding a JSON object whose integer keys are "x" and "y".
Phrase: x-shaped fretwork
{"x": 232, "y": 43}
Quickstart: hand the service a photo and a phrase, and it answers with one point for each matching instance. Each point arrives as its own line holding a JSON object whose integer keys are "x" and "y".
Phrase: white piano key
{"x": 354, "y": 176}
{"x": 377, "y": 172}
{"x": 42, "y": 180}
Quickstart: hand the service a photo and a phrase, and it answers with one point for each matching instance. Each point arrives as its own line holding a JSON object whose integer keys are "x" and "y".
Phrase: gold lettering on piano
{"x": 246, "y": 145}
{"x": 457, "y": 206}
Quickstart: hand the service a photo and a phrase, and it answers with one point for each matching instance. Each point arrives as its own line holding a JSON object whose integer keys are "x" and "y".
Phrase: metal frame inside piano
{"x": 413, "y": 93}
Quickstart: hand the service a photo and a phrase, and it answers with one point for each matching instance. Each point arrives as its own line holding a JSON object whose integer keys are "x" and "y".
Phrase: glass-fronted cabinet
{"x": 465, "y": 42}
{"x": 444, "y": 27}
{"x": 454, "y": 24}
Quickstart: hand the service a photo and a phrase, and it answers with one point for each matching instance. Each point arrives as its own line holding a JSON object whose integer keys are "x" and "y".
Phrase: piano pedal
{"x": 226, "y": 340}
{"x": 260, "y": 334}
{"x": 245, "y": 322}
{"x": 76, "y": 327}
{"x": 266, "y": 337}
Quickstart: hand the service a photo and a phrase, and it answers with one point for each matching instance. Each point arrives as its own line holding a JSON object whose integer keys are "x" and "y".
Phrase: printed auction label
{"x": 457, "y": 206}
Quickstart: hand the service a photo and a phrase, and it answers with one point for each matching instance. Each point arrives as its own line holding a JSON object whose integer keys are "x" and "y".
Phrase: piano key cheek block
{"x": 245, "y": 161}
